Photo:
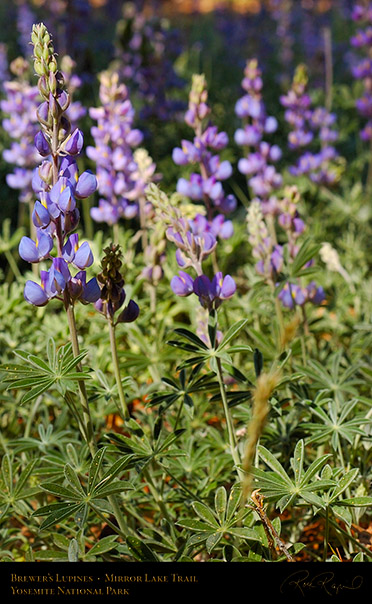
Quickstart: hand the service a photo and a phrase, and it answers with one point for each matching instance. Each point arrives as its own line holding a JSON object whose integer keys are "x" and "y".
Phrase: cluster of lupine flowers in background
{"x": 119, "y": 181}
{"x": 305, "y": 122}
{"x": 19, "y": 106}
{"x": 205, "y": 185}
{"x": 362, "y": 41}
{"x": 263, "y": 179}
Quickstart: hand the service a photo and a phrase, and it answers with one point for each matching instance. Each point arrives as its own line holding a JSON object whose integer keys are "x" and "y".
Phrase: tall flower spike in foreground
{"x": 58, "y": 186}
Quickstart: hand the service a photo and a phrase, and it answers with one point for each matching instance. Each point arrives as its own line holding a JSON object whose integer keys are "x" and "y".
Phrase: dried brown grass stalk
{"x": 266, "y": 384}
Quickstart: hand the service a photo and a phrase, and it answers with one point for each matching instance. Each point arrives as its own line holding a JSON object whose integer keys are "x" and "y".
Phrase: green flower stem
{"x": 87, "y": 419}
{"x": 115, "y": 360}
{"x": 229, "y": 423}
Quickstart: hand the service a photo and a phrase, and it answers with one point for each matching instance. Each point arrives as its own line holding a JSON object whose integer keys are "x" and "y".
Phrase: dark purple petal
{"x": 130, "y": 313}
{"x": 42, "y": 144}
{"x": 91, "y": 292}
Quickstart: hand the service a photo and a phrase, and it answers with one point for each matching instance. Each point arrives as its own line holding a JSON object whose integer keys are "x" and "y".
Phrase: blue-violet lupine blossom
{"x": 20, "y": 106}
{"x": 362, "y": 41}
{"x": 58, "y": 186}
{"x": 203, "y": 152}
{"x": 119, "y": 181}
{"x": 309, "y": 124}
{"x": 257, "y": 166}
{"x": 295, "y": 294}
{"x": 192, "y": 250}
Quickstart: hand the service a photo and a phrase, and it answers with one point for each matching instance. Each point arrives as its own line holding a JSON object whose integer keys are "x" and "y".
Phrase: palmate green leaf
{"x": 213, "y": 540}
{"x": 220, "y": 502}
{"x": 270, "y": 480}
{"x": 73, "y": 479}
{"x": 170, "y": 439}
{"x": 314, "y": 468}
{"x": 25, "y": 474}
{"x": 194, "y": 525}
{"x": 106, "y": 544}
{"x": 33, "y": 360}
{"x": 60, "y": 491}
{"x": 312, "y": 499}
{"x": 191, "y": 337}
{"x": 205, "y": 513}
{"x": 245, "y": 533}
{"x": 357, "y": 502}
{"x": 306, "y": 253}
{"x": 273, "y": 463}
{"x": 7, "y": 473}
{"x": 95, "y": 469}
{"x": 73, "y": 551}
{"x": 190, "y": 362}
{"x": 119, "y": 486}
{"x": 36, "y": 391}
{"x": 233, "y": 501}
{"x": 298, "y": 461}
{"x": 183, "y": 346}
{"x": 343, "y": 513}
{"x": 232, "y": 332}
{"x": 64, "y": 510}
{"x": 344, "y": 483}
{"x": 117, "y": 467}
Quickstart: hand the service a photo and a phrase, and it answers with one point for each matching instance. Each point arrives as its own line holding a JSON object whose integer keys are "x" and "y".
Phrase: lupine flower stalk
{"x": 58, "y": 185}
{"x": 205, "y": 185}
{"x": 120, "y": 180}
{"x": 20, "y": 122}
{"x": 362, "y": 41}
{"x": 309, "y": 124}
{"x": 257, "y": 165}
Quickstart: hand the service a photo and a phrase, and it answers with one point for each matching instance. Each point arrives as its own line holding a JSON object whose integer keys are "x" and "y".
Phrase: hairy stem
{"x": 115, "y": 361}
{"x": 229, "y": 423}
